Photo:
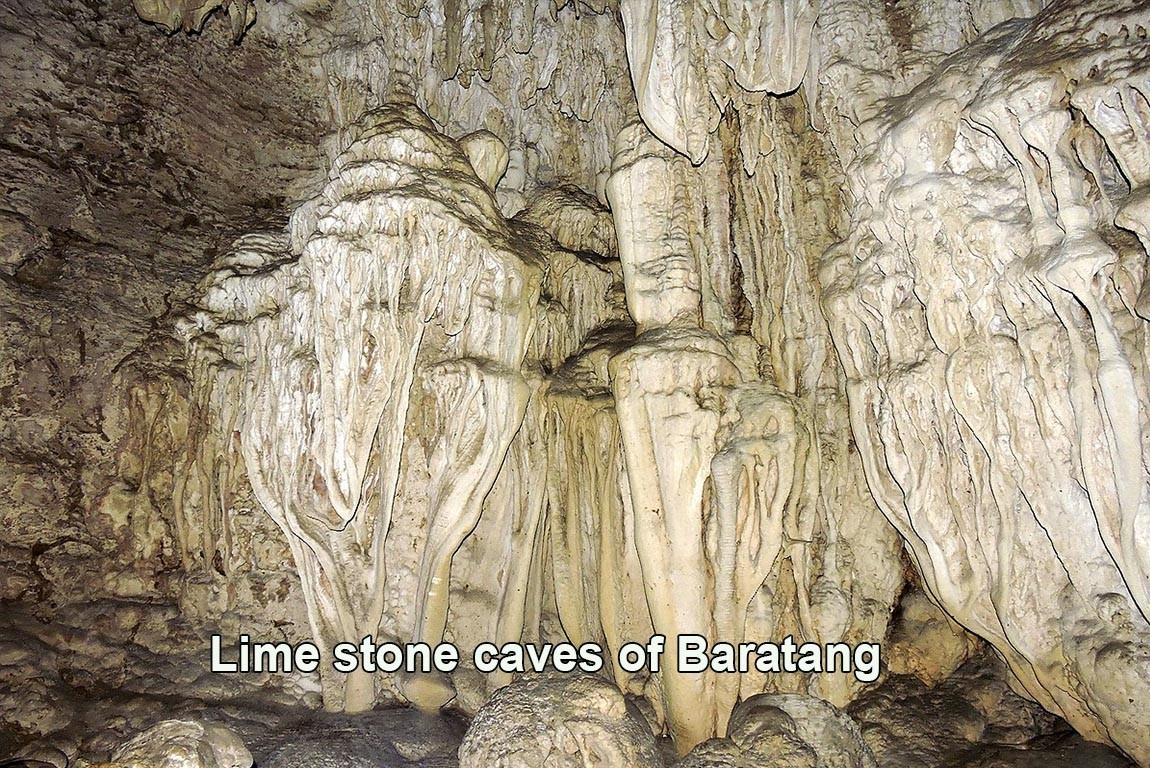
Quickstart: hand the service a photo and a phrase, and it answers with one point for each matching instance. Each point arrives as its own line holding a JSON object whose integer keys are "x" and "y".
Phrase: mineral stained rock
{"x": 971, "y": 719}
{"x": 832, "y": 735}
{"x": 765, "y": 738}
{"x": 190, "y": 15}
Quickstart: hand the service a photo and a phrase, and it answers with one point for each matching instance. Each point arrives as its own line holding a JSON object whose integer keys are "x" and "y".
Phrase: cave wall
{"x": 585, "y": 321}
{"x": 119, "y": 168}
{"x": 823, "y": 564}
{"x": 997, "y": 386}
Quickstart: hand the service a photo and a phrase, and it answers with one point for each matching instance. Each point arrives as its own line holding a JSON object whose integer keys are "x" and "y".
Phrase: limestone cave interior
{"x": 564, "y": 325}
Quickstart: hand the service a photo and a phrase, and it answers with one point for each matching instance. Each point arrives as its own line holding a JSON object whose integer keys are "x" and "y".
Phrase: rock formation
{"x": 403, "y": 252}
{"x": 448, "y": 321}
{"x": 183, "y": 744}
{"x": 560, "y": 721}
{"x": 190, "y": 15}
{"x": 386, "y": 738}
{"x": 720, "y": 475}
{"x": 989, "y": 289}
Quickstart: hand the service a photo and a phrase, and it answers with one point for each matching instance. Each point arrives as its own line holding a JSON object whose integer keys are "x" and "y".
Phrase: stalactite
{"x": 590, "y": 320}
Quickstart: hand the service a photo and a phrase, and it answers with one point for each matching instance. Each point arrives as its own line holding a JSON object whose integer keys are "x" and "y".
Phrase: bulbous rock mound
{"x": 834, "y": 736}
{"x": 558, "y": 721}
{"x": 182, "y": 744}
{"x": 784, "y": 731}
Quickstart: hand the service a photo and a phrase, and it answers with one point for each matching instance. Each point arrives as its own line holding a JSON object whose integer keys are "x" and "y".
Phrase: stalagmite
{"x": 714, "y": 466}
{"x": 477, "y": 413}
{"x": 756, "y": 475}
{"x": 667, "y": 388}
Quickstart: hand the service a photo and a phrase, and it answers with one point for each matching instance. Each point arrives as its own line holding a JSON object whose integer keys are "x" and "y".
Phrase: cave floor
{"x": 86, "y": 683}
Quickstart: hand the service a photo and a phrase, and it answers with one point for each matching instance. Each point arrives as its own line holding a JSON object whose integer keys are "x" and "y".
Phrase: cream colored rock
{"x": 540, "y": 530}
{"x": 985, "y": 307}
{"x": 925, "y": 642}
{"x": 190, "y": 15}
{"x": 677, "y": 51}
{"x": 599, "y": 587}
{"x": 667, "y": 390}
{"x": 787, "y": 731}
{"x": 757, "y": 736}
{"x": 421, "y": 391}
{"x": 670, "y": 74}
{"x": 558, "y": 721}
{"x": 487, "y": 154}
{"x": 284, "y": 324}
{"x": 723, "y": 753}
{"x": 551, "y": 81}
{"x": 719, "y": 467}
{"x": 651, "y": 210}
{"x": 183, "y": 744}
{"x": 833, "y": 736}
{"x": 427, "y": 443}
{"x": 768, "y": 46}
{"x": 574, "y": 218}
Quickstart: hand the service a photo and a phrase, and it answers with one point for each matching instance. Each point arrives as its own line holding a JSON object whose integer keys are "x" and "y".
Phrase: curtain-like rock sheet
{"x": 987, "y": 306}
{"x": 378, "y": 369}
{"x": 550, "y": 79}
{"x": 689, "y": 58}
{"x": 327, "y": 335}
{"x": 454, "y": 424}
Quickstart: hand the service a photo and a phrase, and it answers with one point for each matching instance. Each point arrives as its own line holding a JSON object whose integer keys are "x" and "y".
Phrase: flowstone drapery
{"x": 988, "y": 307}
{"x": 456, "y": 427}
{"x": 722, "y": 466}
{"x": 876, "y": 346}
{"x": 402, "y": 269}
{"x": 689, "y": 58}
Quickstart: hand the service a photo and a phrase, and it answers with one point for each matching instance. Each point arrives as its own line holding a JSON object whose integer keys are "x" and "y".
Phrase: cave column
{"x": 669, "y": 388}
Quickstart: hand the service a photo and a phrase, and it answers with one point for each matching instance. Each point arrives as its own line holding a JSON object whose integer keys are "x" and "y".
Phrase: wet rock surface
{"x": 972, "y": 718}
{"x": 399, "y": 738}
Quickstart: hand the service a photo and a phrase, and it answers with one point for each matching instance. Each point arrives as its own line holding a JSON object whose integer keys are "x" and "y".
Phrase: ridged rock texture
{"x": 403, "y": 332}
{"x": 988, "y": 310}
{"x": 404, "y": 242}
{"x": 579, "y": 321}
